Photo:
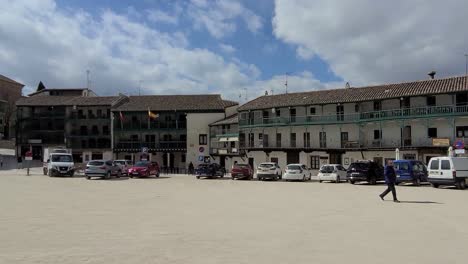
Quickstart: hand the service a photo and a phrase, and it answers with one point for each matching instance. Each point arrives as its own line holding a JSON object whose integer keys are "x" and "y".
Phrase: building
{"x": 64, "y": 92}
{"x": 170, "y": 129}
{"x": 421, "y": 118}
{"x": 10, "y": 92}
{"x": 224, "y": 142}
{"x": 80, "y": 123}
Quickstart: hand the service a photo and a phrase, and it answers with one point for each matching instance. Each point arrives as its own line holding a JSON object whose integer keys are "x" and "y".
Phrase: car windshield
{"x": 61, "y": 158}
{"x": 266, "y": 165}
{"x": 141, "y": 164}
{"x": 294, "y": 167}
{"x": 361, "y": 166}
{"x": 241, "y": 166}
{"x": 96, "y": 163}
{"x": 327, "y": 169}
{"x": 401, "y": 166}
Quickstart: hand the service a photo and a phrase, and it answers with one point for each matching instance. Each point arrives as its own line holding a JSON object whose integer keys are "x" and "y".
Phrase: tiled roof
{"x": 233, "y": 119}
{"x": 210, "y": 102}
{"x": 66, "y": 100}
{"x": 58, "y": 89}
{"x": 367, "y": 93}
{"x": 229, "y": 103}
{"x": 6, "y": 79}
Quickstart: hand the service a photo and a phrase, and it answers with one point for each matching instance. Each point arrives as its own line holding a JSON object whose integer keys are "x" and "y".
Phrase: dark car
{"x": 410, "y": 171}
{"x": 144, "y": 169}
{"x": 212, "y": 170}
{"x": 365, "y": 170}
{"x": 242, "y": 171}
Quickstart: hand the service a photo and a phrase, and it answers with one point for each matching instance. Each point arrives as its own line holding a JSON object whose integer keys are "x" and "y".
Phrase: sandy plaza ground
{"x": 178, "y": 219}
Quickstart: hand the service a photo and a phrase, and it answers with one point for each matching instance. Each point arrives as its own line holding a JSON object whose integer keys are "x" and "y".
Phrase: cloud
{"x": 366, "y": 41}
{"x": 41, "y": 41}
{"x": 161, "y": 16}
{"x": 227, "y": 48}
{"x": 220, "y": 17}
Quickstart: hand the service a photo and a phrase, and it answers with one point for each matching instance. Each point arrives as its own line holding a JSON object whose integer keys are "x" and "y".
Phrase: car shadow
{"x": 111, "y": 179}
{"x": 151, "y": 178}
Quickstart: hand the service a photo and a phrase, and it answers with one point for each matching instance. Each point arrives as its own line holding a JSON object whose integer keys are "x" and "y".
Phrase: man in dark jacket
{"x": 390, "y": 180}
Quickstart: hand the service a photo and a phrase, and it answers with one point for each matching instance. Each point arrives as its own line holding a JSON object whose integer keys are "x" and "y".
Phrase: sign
{"x": 440, "y": 142}
{"x": 144, "y": 149}
{"x": 200, "y": 158}
{"x": 460, "y": 144}
{"x": 459, "y": 151}
{"x": 201, "y": 149}
{"x": 30, "y": 158}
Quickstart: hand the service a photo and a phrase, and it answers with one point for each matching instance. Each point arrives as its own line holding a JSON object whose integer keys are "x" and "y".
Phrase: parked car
{"x": 410, "y": 171}
{"x": 242, "y": 171}
{"x": 102, "y": 168}
{"x": 365, "y": 170}
{"x": 297, "y": 172}
{"x": 269, "y": 170}
{"x": 124, "y": 165}
{"x": 448, "y": 171}
{"x": 211, "y": 170}
{"x": 332, "y": 172}
{"x": 144, "y": 169}
{"x": 59, "y": 164}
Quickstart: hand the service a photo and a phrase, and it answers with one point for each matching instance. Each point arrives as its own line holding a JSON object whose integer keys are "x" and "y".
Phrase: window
{"x": 265, "y": 141}
{"x": 182, "y": 158}
{"x": 278, "y": 140}
{"x": 292, "y": 114}
{"x": 377, "y": 105}
{"x": 312, "y": 111}
{"x": 251, "y": 139}
{"x": 96, "y": 156}
{"x": 105, "y": 130}
{"x": 323, "y": 139}
{"x": 260, "y": 137}
{"x": 356, "y": 108}
{"x": 462, "y": 131}
{"x": 134, "y": 138}
{"x": 278, "y": 112}
{"x": 293, "y": 140}
{"x": 432, "y": 132}
{"x": 183, "y": 137}
{"x": 99, "y": 113}
{"x": 340, "y": 112}
{"x": 275, "y": 160}
{"x": 314, "y": 162}
{"x": 405, "y": 103}
{"x": 445, "y": 165}
{"x": 307, "y": 140}
{"x": 90, "y": 113}
{"x": 377, "y": 134}
{"x": 203, "y": 139}
{"x": 434, "y": 165}
{"x": 431, "y": 100}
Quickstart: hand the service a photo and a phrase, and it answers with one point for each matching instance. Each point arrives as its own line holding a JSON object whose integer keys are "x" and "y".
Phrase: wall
{"x": 197, "y": 123}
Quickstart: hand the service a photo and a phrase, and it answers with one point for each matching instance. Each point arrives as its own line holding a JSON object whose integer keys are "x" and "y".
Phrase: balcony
{"x": 152, "y": 146}
{"x": 136, "y": 126}
{"x": 226, "y": 151}
{"x": 409, "y": 113}
{"x": 88, "y": 117}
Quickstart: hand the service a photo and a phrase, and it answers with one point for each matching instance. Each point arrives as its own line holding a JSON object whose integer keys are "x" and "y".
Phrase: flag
{"x": 152, "y": 115}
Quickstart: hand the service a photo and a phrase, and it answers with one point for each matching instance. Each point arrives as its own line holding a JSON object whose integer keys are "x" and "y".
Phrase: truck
{"x": 58, "y": 162}
{"x": 448, "y": 171}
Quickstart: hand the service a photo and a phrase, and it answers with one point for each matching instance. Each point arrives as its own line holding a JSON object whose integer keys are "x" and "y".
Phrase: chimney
{"x": 266, "y": 93}
{"x": 432, "y": 74}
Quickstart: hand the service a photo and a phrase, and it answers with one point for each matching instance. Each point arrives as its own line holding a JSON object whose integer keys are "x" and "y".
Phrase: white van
{"x": 59, "y": 164}
{"x": 448, "y": 171}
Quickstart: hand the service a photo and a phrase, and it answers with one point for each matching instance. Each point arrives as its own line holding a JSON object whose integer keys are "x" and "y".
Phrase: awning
{"x": 223, "y": 139}
{"x": 233, "y": 139}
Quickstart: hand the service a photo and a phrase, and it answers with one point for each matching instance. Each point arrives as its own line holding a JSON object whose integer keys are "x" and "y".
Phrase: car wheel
{"x": 461, "y": 184}
{"x": 108, "y": 175}
{"x": 417, "y": 182}
{"x": 119, "y": 174}
{"x": 260, "y": 178}
{"x": 337, "y": 179}
{"x": 157, "y": 174}
{"x": 352, "y": 182}
{"x": 44, "y": 170}
{"x": 198, "y": 177}
{"x": 88, "y": 178}
{"x": 435, "y": 185}
{"x": 320, "y": 181}
{"x": 304, "y": 178}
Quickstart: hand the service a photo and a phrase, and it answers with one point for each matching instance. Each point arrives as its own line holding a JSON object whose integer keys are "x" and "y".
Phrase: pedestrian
{"x": 190, "y": 168}
{"x": 390, "y": 180}
{"x": 1, "y": 161}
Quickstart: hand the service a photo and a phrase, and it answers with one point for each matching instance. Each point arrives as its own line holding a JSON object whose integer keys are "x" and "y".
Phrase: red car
{"x": 242, "y": 171}
{"x": 144, "y": 169}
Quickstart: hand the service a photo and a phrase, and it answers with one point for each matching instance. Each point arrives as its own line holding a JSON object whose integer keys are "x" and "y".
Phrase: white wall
{"x": 197, "y": 123}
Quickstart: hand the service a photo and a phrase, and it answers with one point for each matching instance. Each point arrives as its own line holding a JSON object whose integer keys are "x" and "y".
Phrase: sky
{"x": 237, "y": 48}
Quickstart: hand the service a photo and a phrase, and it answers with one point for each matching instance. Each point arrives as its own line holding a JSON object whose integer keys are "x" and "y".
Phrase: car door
{"x": 434, "y": 171}
{"x": 445, "y": 169}
{"x": 341, "y": 172}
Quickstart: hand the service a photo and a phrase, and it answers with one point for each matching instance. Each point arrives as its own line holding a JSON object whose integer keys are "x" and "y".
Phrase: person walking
{"x": 390, "y": 180}
{"x": 190, "y": 168}
{"x": 1, "y": 161}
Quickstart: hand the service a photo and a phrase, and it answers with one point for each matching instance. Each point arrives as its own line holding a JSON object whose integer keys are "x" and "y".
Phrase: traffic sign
{"x": 201, "y": 149}
{"x": 144, "y": 149}
{"x": 460, "y": 144}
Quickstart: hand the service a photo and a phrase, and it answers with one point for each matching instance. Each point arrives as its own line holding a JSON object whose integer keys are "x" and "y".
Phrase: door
{"x": 340, "y": 112}
{"x": 335, "y": 158}
{"x": 292, "y": 157}
{"x": 446, "y": 169}
{"x": 434, "y": 171}
{"x": 292, "y": 114}
{"x": 251, "y": 163}
{"x": 406, "y": 135}
{"x": 344, "y": 139}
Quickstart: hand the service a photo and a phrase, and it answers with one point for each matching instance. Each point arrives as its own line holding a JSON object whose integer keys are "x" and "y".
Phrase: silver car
{"x": 102, "y": 168}
{"x": 124, "y": 165}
